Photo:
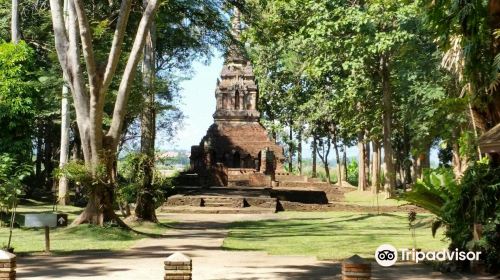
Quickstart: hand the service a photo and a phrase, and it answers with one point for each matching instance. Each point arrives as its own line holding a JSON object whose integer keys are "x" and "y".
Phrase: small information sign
{"x": 47, "y": 221}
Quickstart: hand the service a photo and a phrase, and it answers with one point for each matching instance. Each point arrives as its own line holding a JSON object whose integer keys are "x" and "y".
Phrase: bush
{"x": 477, "y": 203}
{"x": 460, "y": 206}
{"x": 11, "y": 177}
{"x": 352, "y": 172}
{"x": 131, "y": 176}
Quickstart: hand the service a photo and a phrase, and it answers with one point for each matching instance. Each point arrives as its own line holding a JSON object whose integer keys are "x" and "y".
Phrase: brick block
{"x": 7, "y": 274}
{"x": 2, "y": 265}
{"x": 176, "y": 278}
{"x": 177, "y": 263}
{"x": 177, "y": 272}
{"x": 178, "y": 267}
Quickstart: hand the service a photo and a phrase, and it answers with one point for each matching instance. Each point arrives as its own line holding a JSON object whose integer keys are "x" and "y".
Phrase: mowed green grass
{"x": 331, "y": 235}
{"x": 78, "y": 238}
{"x": 366, "y": 198}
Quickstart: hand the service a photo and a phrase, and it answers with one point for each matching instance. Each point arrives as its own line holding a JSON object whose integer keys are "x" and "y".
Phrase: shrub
{"x": 130, "y": 179}
{"x": 352, "y": 172}
{"x": 477, "y": 203}
{"x": 460, "y": 206}
{"x": 11, "y": 176}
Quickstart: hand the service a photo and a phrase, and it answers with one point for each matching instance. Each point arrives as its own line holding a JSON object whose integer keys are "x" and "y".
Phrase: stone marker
{"x": 7, "y": 266}
{"x": 177, "y": 267}
{"x": 356, "y": 268}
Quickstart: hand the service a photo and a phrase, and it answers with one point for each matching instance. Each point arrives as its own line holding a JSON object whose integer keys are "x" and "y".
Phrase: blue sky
{"x": 198, "y": 103}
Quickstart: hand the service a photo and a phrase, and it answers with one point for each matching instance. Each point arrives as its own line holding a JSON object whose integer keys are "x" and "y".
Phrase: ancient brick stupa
{"x": 237, "y": 149}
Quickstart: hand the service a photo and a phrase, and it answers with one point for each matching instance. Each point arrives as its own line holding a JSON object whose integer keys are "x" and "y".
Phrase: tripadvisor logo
{"x": 387, "y": 255}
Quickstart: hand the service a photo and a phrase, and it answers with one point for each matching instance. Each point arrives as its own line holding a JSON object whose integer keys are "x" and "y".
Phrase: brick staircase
{"x": 222, "y": 201}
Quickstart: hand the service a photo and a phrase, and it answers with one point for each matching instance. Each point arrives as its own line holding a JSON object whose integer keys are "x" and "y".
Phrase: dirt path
{"x": 199, "y": 236}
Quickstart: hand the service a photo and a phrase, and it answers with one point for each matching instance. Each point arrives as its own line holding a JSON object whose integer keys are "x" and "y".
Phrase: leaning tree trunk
{"x": 387, "y": 121}
{"x": 145, "y": 206}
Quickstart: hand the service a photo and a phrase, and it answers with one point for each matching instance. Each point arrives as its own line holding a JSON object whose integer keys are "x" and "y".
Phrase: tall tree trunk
{"x": 327, "y": 171}
{"x": 459, "y": 162}
{"x": 290, "y": 150}
{"x": 63, "y": 195}
{"x": 15, "y": 32}
{"x": 314, "y": 147}
{"x": 340, "y": 178}
{"x": 387, "y": 120}
{"x": 417, "y": 166}
{"x": 367, "y": 162}
{"x": 343, "y": 166}
{"x": 145, "y": 206}
{"x": 48, "y": 155}
{"x": 406, "y": 162}
{"x": 39, "y": 153}
{"x": 376, "y": 166}
{"x": 362, "y": 182}
{"x": 299, "y": 151}
{"x": 422, "y": 162}
{"x": 324, "y": 158}
{"x": 426, "y": 163}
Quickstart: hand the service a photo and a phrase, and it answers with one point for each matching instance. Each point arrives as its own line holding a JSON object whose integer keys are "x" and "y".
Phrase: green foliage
{"x": 352, "y": 172}
{"x": 131, "y": 176}
{"x": 459, "y": 206}
{"x": 11, "y": 177}
{"x": 77, "y": 172}
{"x": 318, "y": 66}
{"x": 477, "y": 203}
{"x": 18, "y": 88}
{"x": 432, "y": 192}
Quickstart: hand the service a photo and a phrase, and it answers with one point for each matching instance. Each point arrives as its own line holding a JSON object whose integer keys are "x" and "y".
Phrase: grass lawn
{"x": 83, "y": 237}
{"x": 330, "y": 235}
{"x": 368, "y": 199}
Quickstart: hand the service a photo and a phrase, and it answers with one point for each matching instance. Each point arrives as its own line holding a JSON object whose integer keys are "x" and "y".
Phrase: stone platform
{"x": 222, "y": 200}
{"x": 231, "y": 200}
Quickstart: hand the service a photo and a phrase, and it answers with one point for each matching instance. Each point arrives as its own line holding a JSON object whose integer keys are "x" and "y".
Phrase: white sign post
{"x": 46, "y": 220}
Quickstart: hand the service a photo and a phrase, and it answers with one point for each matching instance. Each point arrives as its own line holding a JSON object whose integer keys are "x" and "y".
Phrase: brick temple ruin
{"x": 237, "y": 149}
{"x": 238, "y": 167}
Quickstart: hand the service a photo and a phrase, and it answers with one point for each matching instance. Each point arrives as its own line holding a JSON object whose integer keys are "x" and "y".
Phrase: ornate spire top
{"x": 236, "y": 23}
{"x": 237, "y": 91}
